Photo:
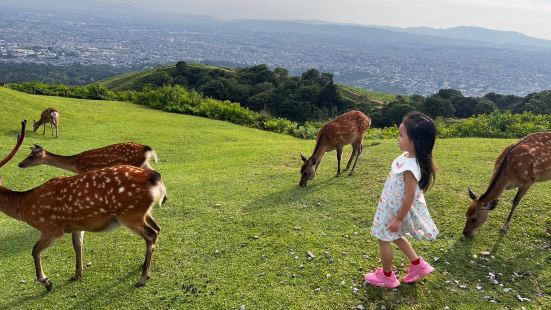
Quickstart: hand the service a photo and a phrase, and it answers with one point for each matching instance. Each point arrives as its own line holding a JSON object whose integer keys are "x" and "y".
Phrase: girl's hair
{"x": 422, "y": 132}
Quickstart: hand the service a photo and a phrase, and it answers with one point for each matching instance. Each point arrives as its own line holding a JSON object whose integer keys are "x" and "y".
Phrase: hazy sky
{"x": 531, "y": 17}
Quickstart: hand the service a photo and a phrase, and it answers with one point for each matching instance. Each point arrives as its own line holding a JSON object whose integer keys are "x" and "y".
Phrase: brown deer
{"x": 348, "y": 128}
{"x": 518, "y": 166}
{"x": 49, "y": 115}
{"x": 128, "y": 153}
{"x": 93, "y": 201}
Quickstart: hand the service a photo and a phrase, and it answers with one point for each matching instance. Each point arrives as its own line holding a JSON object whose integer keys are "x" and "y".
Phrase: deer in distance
{"x": 349, "y": 128}
{"x": 128, "y": 153}
{"x": 50, "y": 116}
{"x": 519, "y": 165}
{"x": 93, "y": 201}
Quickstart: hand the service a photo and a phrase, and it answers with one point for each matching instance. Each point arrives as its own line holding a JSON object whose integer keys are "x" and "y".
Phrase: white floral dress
{"x": 417, "y": 222}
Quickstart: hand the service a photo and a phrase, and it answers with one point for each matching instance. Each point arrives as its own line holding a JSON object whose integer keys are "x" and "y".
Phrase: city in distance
{"x": 475, "y": 61}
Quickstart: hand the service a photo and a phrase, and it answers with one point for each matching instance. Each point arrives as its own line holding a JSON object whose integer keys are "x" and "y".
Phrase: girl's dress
{"x": 417, "y": 222}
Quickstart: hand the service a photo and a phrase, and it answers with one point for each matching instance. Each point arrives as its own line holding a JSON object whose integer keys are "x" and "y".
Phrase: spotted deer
{"x": 50, "y": 116}
{"x": 128, "y": 153}
{"x": 519, "y": 165}
{"x": 93, "y": 201}
{"x": 349, "y": 128}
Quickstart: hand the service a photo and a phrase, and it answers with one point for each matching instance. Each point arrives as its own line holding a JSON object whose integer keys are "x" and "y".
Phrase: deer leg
{"x": 78, "y": 237}
{"x": 150, "y": 237}
{"x": 360, "y": 148}
{"x": 149, "y": 220}
{"x": 56, "y": 130}
{"x": 44, "y": 242}
{"x": 44, "y": 132}
{"x": 339, "y": 156}
{"x": 354, "y": 151}
{"x": 149, "y": 234}
{"x": 520, "y": 193}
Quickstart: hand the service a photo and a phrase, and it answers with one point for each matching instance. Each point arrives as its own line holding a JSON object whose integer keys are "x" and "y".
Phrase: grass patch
{"x": 236, "y": 219}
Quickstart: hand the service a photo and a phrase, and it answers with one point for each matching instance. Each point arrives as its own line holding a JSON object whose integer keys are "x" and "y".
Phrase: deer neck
{"x": 63, "y": 162}
{"x": 11, "y": 202}
{"x": 319, "y": 152}
{"x": 495, "y": 190}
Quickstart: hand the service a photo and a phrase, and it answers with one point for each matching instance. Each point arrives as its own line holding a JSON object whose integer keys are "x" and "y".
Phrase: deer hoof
{"x": 47, "y": 284}
{"x": 76, "y": 277}
{"x": 504, "y": 230}
{"x": 351, "y": 173}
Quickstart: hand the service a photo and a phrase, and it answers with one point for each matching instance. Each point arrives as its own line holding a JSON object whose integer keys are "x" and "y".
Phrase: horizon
{"x": 531, "y": 17}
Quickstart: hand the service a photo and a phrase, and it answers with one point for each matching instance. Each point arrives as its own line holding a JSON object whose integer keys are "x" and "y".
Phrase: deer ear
{"x": 303, "y": 158}
{"x": 472, "y": 194}
{"x": 490, "y": 205}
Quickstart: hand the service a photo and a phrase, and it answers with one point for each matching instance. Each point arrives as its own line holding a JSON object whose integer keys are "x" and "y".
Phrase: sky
{"x": 531, "y": 17}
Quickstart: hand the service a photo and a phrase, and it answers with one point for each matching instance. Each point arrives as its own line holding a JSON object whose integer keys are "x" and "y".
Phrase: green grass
{"x": 243, "y": 251}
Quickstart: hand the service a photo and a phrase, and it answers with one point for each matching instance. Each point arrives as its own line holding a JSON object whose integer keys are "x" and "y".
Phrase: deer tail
{"x": 150, "y": 154}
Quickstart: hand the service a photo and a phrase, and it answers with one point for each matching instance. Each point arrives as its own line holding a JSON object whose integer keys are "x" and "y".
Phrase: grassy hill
{"x": 134, "y": 80}
{"x": 237, "y": 226}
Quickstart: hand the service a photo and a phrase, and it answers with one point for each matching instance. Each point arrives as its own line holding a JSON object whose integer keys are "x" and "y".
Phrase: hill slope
{"x": 237, "y": 227}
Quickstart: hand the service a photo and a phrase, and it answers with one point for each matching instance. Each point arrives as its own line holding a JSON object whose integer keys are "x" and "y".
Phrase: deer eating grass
{"x": 348, "y": 128}
{"x": 519, "y": 165}
{"x": 93, "y": 201}
{"x": 128, "y": 153}
{"x": 50, "y": 116}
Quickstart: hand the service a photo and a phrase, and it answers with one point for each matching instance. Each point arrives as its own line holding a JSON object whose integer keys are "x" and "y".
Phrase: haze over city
{"x": 530, "y": 17}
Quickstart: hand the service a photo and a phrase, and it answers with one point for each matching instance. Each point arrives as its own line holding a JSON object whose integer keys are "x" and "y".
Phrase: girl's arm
{"x": 410, "y": 185}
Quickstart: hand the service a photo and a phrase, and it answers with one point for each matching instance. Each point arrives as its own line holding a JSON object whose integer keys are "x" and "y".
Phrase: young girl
{"x": 402, "y": 208}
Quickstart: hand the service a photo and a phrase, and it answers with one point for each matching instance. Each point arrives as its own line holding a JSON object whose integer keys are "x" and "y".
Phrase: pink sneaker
{"x": 378, "y": 278}
{"x": 417, "y": 272}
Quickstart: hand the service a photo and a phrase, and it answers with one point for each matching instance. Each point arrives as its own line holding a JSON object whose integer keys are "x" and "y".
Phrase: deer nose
{"x": 20, "y": 165}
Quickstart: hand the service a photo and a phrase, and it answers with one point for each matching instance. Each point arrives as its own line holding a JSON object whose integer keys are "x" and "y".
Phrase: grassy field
{"x": 237, "y": 227}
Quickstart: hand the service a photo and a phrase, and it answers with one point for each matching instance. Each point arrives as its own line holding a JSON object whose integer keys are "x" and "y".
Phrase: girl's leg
{"x": 406, "y": 247}
{"x": 386, "y": 255}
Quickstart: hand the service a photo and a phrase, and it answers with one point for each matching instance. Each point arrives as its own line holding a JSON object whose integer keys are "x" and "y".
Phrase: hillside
{"x": 237, "y": 226}
{"x": 135, "y": 80}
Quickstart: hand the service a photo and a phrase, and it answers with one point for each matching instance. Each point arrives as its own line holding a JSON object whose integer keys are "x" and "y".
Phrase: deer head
{"x": 35, "y": 158}
{"x": 477, "y": 214}
{"x": 36, "y": 125}
{"x": 308, "y": 170}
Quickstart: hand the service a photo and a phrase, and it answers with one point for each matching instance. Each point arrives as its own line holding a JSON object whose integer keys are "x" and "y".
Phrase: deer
{"x": 349, "y": 128}
{"x": 94, "y": 201}
{"x": 128, "y": 153}
{"x": 49, "y": 115}
{"x": 519, "y": 165}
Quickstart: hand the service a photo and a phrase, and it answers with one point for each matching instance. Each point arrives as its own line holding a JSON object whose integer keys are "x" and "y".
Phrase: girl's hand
{"x": 394, "y": 225}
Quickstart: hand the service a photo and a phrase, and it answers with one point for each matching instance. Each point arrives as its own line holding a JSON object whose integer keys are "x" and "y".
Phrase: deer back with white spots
{"x": 128, "y": 153}
{"x": 519, "y": 165}
{"x": 92, "y": 201}
{"x": 349, "y": 128}
{"x": 48, "y": 116}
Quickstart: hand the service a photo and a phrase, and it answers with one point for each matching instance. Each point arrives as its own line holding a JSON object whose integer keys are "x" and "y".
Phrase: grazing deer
{"x": 518, "y": 166}
{"x": 348, "y": 128}
{"x": 49, "y": 115}
{"x": 128, "y": 153}
{"x": 93, "y": 201}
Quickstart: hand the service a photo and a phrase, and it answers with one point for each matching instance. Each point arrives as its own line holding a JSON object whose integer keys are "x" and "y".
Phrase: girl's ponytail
{"x": 422, "y": 132}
